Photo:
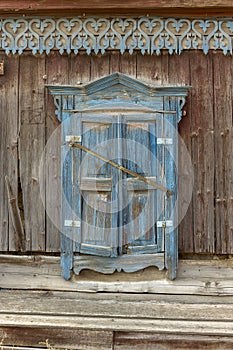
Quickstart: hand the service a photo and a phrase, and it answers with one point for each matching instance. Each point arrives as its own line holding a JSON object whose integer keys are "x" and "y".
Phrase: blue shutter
{"x": 139, "y": 214}
{"x": 171, "y": 161}
{"x": 138, "y": 219}
{"x": 90, "y": 188}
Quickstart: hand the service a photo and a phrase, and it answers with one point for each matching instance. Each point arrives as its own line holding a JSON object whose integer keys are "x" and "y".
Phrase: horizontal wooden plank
{"x": 141, "y": 341}
{"x": 165, "y": 7}
{"x": 96, "y": 184}
{"x": 133, "y": 306}
{"x": 122, "y": 340}
{"x": 53, "y": 338}
{"x": 96, "y": 4}
{"x": 221, "y": 328}
{"x": 44, "y": 272}
{"x": 19, "y": 348}
{"x": 68, "y": 319}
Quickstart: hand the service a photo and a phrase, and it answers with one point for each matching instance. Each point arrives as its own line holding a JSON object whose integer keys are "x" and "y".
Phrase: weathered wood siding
{"x": 27, "y": 121}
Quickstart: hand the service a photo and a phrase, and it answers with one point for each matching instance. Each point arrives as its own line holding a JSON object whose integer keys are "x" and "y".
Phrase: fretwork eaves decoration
{"x": 93, "y": 34}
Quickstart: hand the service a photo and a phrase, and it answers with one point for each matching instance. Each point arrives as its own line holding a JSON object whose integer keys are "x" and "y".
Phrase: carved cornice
{"x": 93, "y": 34}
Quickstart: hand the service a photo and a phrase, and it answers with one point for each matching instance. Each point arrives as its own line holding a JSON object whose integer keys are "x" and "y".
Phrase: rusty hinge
{"x": 125, "y": 249}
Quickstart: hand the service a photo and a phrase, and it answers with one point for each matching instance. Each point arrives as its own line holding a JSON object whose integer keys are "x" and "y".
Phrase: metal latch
{"x": 125, "y": 249}
{"x": 73, "y": 138}
{"x": 164, "y": 141}
{"x": 165, "y": 223}
{"x": 72, "y": 223}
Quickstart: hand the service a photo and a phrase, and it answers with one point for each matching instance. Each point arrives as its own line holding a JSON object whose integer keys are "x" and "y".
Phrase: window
{"x": 119, "y": 183}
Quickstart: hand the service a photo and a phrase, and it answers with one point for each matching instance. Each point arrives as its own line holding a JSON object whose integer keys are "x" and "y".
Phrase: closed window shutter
{"x": 139, "y": 214}
{"x": 92, "y": 191}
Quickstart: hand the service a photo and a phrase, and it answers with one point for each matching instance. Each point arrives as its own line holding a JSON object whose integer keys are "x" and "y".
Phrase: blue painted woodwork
{"x": 94, "y": 34}
{"x": 119, "y": 222}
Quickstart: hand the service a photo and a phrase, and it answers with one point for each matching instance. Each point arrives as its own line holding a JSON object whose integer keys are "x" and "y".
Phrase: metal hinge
{"x": 165, "y": 223}
{"x": 72, "y": 223}
{"x": 164, "y": 141}
{"x": 73, "y": 138}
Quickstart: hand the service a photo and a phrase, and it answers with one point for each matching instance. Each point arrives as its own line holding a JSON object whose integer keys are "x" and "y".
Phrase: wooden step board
{"x": 74, "y": 320}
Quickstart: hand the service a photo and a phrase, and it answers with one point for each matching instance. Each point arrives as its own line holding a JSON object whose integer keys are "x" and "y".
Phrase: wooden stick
{"x": 15, "y": 215}
{"x": 120, "y": 167}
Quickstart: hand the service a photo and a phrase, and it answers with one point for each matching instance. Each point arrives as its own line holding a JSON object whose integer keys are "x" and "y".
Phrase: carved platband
{"x": 147, "y": 34}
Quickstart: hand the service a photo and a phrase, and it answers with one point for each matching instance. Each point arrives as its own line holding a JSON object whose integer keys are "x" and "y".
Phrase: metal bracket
{"x": 72, "y": 223}
{"x": 165, "y": 223}
{"x": 164, "y": 141}
{"x": 73, "y": 138}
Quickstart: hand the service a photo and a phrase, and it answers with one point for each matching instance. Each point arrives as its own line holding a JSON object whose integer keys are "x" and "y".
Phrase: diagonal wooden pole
{"x": 120, "y": 167}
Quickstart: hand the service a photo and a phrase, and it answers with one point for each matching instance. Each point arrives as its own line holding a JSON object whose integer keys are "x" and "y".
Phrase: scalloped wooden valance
{"x": 150, "y": 35}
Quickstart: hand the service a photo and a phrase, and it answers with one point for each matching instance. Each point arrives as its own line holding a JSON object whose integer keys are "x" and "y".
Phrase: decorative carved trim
{"x": 93, "y": 34}
{"x": 78, "y": 95}
{"x": 126, "y": 263}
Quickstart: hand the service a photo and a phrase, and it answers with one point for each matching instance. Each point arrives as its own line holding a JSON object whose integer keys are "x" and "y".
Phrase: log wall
{"x": 28, "y": 119}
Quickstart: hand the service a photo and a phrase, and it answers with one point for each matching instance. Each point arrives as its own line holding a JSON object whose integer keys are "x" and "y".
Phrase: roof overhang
{"x": 191, "y": 8}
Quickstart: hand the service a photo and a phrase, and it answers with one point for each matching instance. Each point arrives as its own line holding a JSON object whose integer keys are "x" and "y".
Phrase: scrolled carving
{"x": 95, "y": 34}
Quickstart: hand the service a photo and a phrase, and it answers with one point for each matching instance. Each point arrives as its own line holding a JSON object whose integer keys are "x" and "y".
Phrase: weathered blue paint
{"x": 170, "y": 163}
{"x": 150, "y": 35}
{"x": 125, "y": 262}
{"x": 66, "y": 170}
{"x": 120, "y": 108}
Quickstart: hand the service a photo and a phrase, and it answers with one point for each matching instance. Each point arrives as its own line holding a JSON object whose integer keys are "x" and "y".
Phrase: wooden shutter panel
{"x": 94, "y": 187}
{"x": 139, "y": 154}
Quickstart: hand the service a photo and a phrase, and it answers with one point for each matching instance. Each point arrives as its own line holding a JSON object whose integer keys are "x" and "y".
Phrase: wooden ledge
{"x": 197, "y": 277}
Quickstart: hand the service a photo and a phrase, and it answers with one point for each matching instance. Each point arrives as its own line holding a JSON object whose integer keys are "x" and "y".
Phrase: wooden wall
{"x": 27, "y": 120}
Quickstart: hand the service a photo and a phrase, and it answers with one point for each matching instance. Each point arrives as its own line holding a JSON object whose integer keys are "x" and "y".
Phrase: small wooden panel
{"x": 96, "y": 184}
{"x": 128, "y": 64}
{"x": 79, "y": 68}
{"x": 99, "y": 66}
{"x": 150, "y": 70}
{"x": 138, "y": 185}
